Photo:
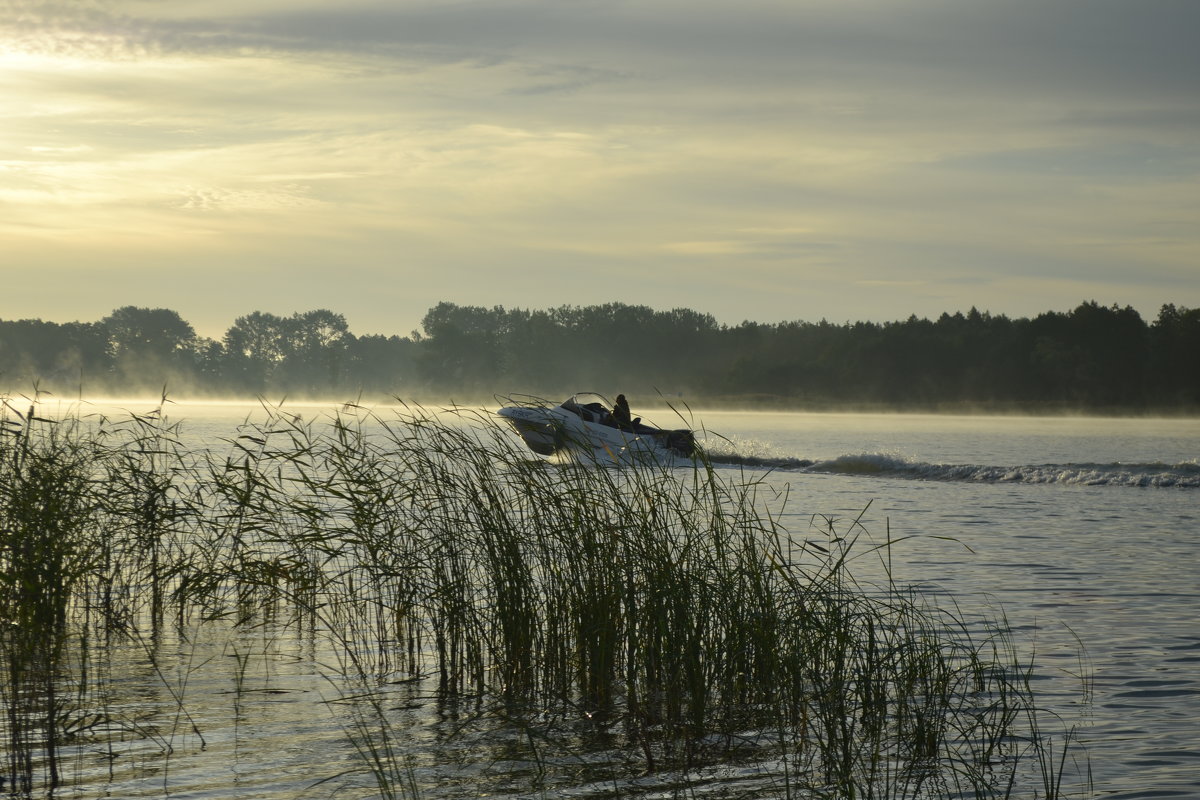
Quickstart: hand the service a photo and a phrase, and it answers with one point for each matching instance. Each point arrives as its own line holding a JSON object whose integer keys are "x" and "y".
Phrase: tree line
{"x": 1093, "y": 358}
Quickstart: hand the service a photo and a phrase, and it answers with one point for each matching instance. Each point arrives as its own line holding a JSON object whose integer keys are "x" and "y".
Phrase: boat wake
{"x": 889, "y": 466}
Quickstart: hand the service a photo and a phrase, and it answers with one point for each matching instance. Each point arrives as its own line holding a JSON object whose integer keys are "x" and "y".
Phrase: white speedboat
{"x": 583, "y": 425}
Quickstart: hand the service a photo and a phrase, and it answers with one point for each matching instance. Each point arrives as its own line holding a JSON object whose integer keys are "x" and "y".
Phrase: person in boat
{"x": 621, "y": 413}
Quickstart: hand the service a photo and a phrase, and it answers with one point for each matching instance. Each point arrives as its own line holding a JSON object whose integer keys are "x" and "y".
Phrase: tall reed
{"x": 662, "y": 612}
{"x": 664, "y": 602}
{"x": 46, "y": 511}
{"x": 94, "y": 516}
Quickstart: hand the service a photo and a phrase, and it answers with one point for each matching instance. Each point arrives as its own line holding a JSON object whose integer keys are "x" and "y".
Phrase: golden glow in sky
{"x": 762, "y": 160}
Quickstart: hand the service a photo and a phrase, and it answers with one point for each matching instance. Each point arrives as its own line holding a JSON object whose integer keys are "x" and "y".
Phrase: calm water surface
{"x": 1082, "y": 533}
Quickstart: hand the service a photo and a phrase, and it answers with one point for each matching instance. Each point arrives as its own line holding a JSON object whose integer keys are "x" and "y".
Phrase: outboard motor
{"x": 682, "y": 442}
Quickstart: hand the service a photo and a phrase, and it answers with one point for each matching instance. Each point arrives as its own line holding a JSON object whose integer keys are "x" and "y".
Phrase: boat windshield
{"x": 589, "y": 399}
{"x": 590, "y": 407}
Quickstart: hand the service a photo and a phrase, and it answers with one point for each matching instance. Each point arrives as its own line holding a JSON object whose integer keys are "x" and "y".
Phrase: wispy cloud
{"x": 859, "y": 156}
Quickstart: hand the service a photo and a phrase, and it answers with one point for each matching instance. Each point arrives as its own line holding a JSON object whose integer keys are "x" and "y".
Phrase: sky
{"x": 757, "y": 160}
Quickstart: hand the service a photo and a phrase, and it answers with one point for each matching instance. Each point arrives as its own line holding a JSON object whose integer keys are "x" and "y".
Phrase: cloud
{"x": 702, "y": 151}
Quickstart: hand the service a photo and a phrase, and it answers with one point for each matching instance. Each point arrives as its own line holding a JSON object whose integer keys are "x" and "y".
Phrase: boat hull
{"x": 538, "y": 429}
{"x": 589, "y": 432}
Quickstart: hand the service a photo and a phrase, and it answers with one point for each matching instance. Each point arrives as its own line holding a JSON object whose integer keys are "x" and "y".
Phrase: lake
{"x": 1082, "y": 533}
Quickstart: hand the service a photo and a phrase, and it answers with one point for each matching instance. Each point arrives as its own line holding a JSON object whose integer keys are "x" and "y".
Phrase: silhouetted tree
{"x": 255, "y": 345}
{"x": 384, "y": 364}
{"x": 1175, "y": 355}
{"x": 54, "y": 355}
{"x": 462, "y": 346}
{"x": 147, "y": 332}
{"x": 149, "y": 347}
{"x": 1092, "y": 357}
{"x": 316, "y": 350}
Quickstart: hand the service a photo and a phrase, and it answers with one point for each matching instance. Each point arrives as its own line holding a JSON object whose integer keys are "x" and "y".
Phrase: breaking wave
{"x": 1185, "y": 475}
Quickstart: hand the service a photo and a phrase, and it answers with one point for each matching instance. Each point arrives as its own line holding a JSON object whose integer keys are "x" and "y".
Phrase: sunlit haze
{"x": 767, "y": 161}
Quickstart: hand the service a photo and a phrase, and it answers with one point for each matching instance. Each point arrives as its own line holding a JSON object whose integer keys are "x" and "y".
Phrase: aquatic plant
{"x": 661, "y": 615}
{"x": 87, "y": 517}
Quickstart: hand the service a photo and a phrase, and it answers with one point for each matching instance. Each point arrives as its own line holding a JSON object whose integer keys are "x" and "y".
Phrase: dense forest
{"x": 1092, "y": 358}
